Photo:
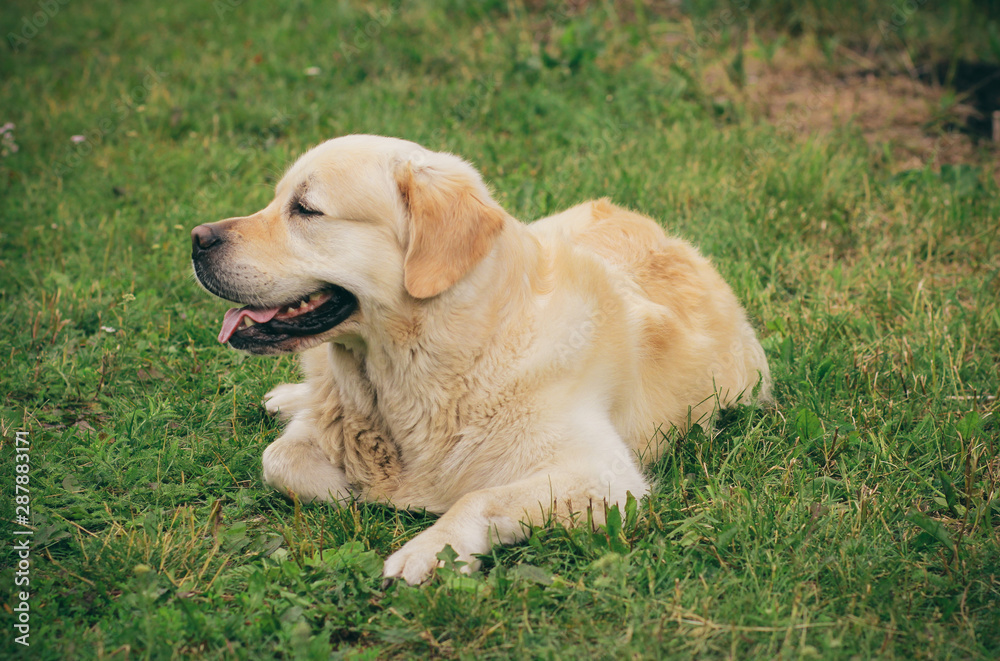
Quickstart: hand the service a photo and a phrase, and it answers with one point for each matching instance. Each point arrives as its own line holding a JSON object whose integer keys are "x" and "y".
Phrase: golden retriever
{"x": 459, "y": 361}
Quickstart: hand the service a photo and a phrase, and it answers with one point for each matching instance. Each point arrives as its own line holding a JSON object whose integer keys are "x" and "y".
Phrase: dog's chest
{"x": 420, "y": 444}
{"x": 371, "y": 458}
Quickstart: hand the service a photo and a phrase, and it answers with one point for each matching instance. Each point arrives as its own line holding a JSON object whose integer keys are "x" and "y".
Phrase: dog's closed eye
{"x": 298, "y": 208}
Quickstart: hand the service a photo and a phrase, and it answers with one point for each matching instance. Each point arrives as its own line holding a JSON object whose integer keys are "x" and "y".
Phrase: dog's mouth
{"x": 258, "y": 330}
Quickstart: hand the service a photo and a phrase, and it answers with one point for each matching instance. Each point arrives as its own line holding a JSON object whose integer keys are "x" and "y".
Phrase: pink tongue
{"x": 234, "y": 317}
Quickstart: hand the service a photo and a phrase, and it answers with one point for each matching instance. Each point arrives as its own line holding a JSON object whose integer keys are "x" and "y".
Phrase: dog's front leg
{"x": 287, "y": 399}
{"x": 496, "y": 515}
{"x": 295, "y": 463}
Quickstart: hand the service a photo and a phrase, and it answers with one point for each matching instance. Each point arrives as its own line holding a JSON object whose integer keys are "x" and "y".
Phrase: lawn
{"x": 826, "y": 158}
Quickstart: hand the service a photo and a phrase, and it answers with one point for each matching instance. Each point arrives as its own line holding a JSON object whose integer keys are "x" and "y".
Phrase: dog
{"x": 459, "y": 361}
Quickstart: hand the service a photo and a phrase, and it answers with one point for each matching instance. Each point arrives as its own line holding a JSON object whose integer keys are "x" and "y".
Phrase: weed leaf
{"x": 934, "y": 528}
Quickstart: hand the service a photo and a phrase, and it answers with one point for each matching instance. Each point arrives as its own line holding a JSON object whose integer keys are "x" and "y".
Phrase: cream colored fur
{"x": 495, "y": 373}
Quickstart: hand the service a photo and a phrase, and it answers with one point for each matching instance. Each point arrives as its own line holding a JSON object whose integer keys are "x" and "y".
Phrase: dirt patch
{"x": 921, "y": 121}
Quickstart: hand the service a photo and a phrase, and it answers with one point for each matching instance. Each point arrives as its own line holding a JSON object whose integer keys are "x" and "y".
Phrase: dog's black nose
{"x": 203, "y": 238}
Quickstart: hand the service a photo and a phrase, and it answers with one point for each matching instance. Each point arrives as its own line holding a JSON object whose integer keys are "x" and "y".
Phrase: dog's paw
{"x": 286, "y": 399}
{"x": 418, "y": 558}
{"x": 301, "y": 468}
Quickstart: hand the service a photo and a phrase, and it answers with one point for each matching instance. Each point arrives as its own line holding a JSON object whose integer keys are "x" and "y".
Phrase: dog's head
{"x": 359, "y": 225}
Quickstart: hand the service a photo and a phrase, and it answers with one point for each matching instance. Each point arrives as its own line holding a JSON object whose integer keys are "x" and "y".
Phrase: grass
{"x": 857, "y": 519}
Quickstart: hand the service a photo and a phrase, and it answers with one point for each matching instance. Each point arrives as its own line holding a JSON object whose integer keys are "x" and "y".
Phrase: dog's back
{"x": 697, "y": 351}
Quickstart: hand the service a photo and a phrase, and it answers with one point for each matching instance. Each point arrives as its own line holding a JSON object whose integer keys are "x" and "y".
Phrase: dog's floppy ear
{"x": 453, "y": 222}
